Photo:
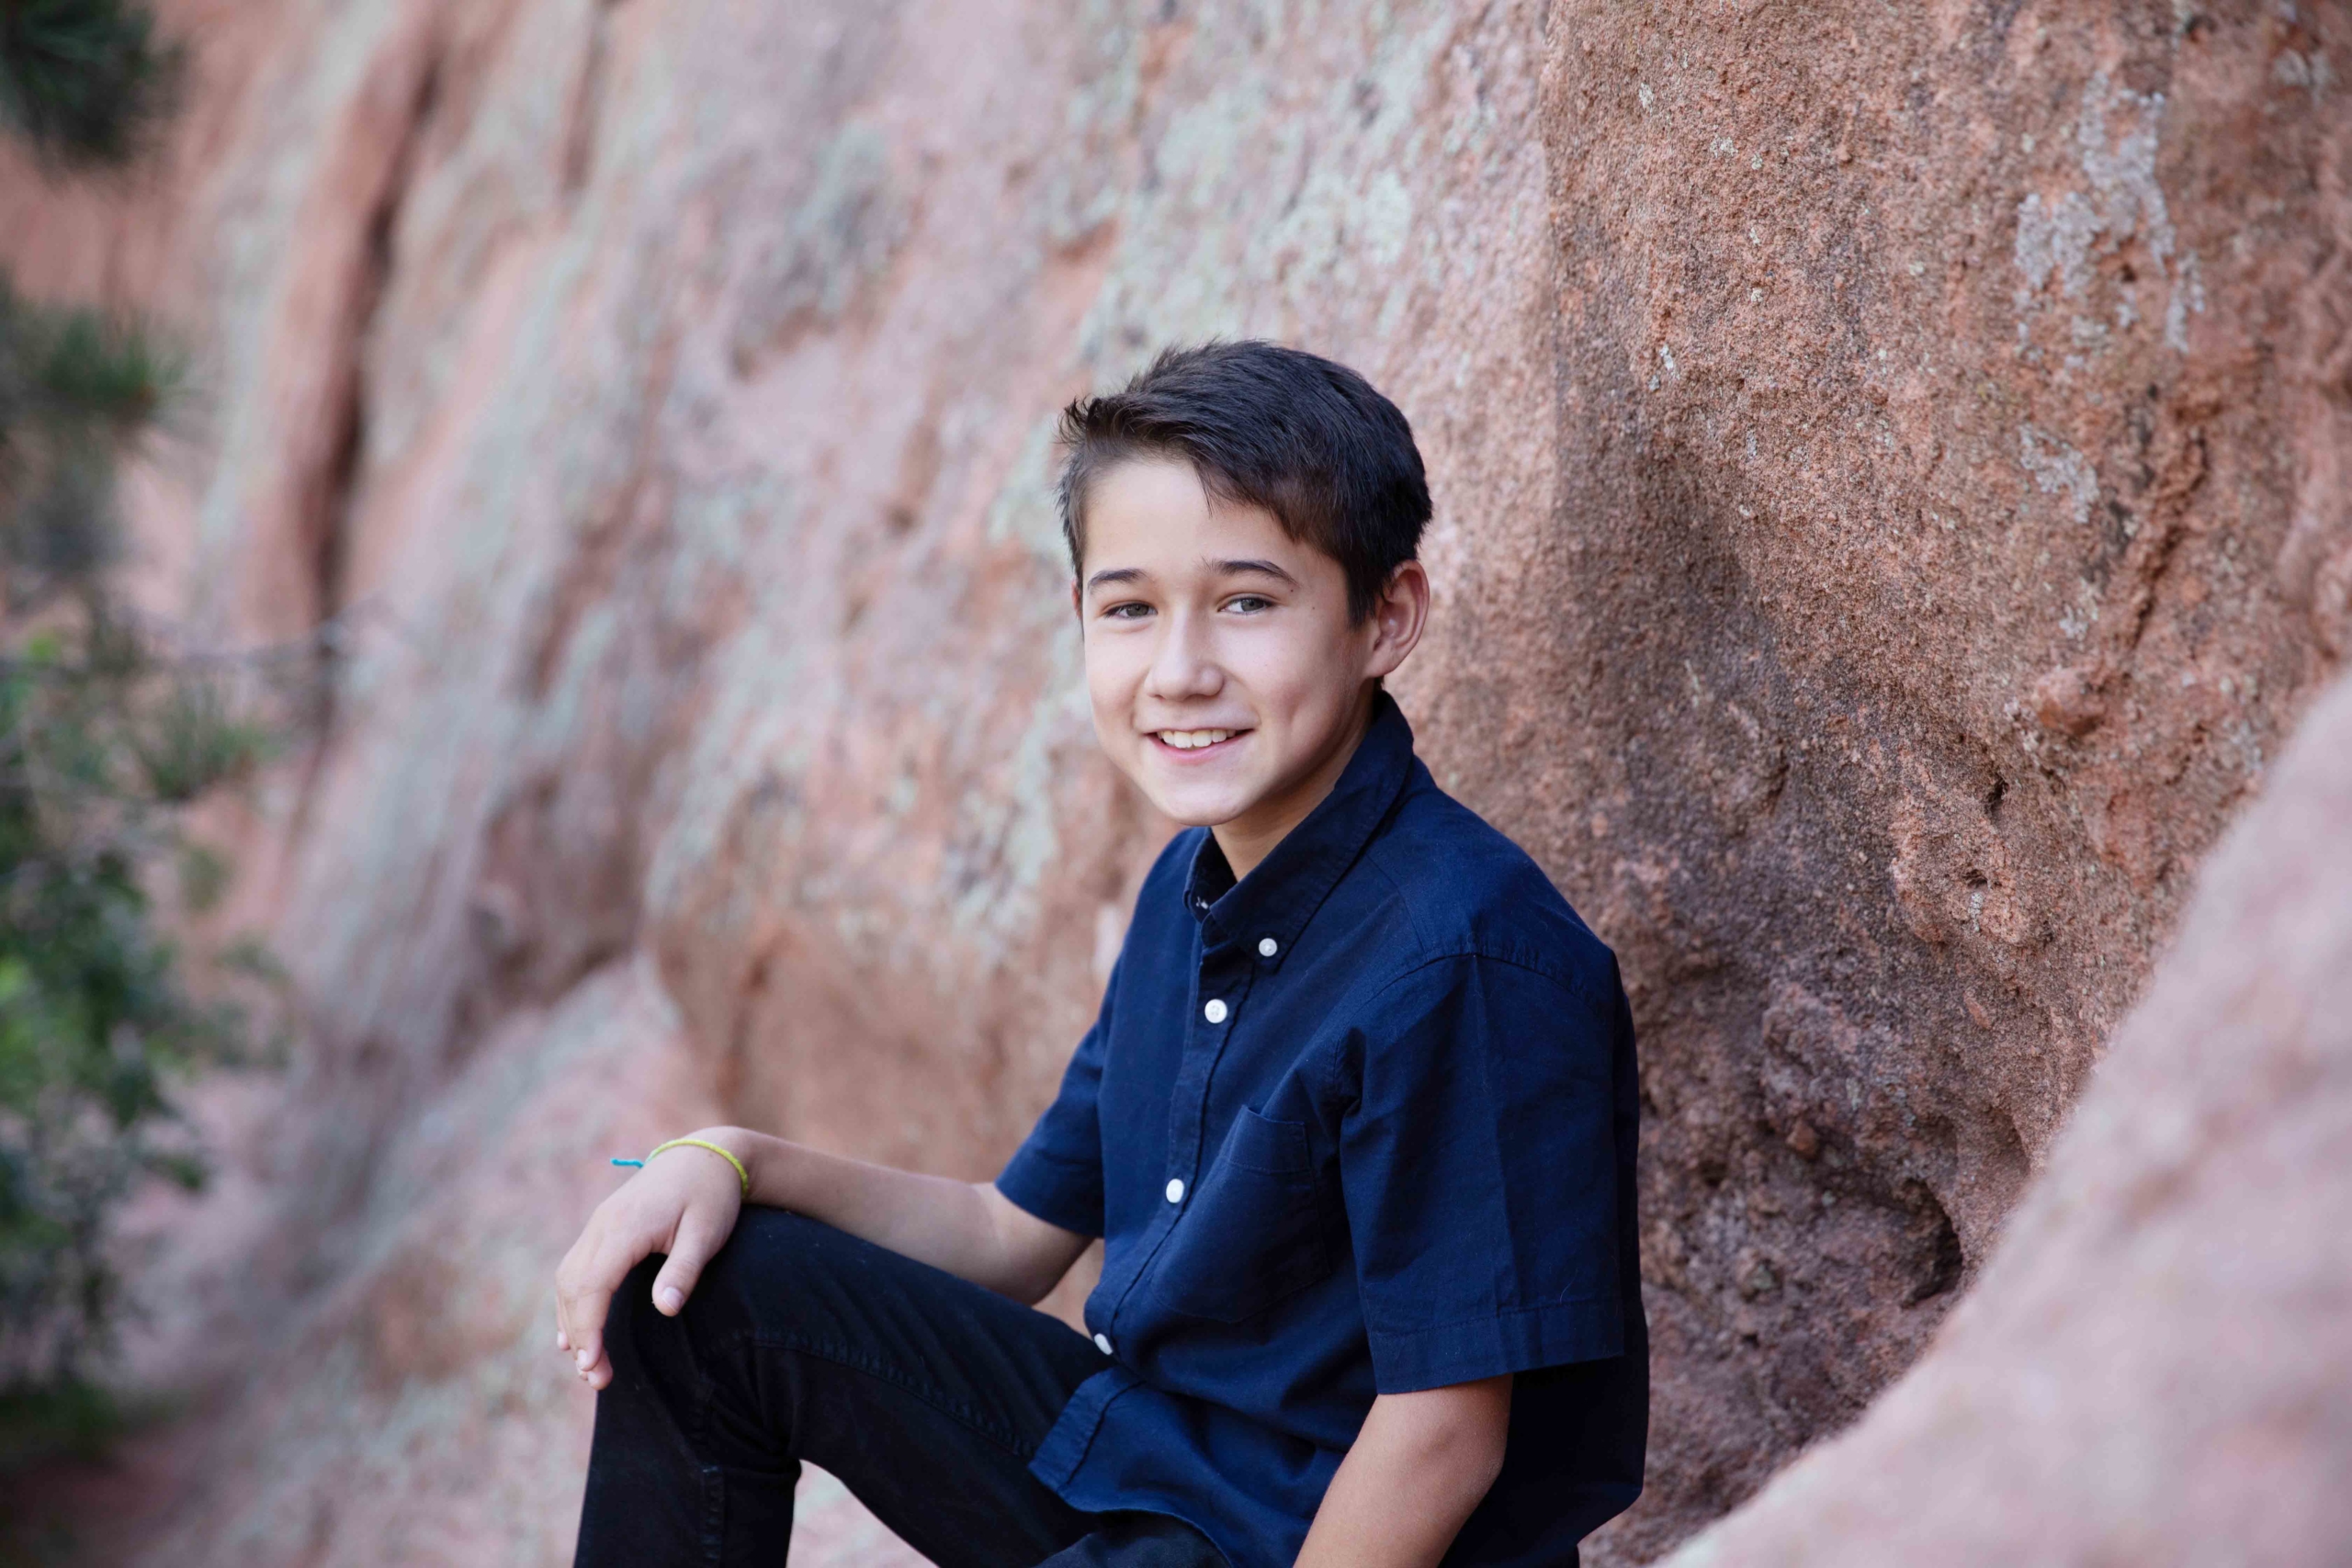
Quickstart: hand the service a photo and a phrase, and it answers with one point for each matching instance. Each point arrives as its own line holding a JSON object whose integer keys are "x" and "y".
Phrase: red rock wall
{"x": 1950, "y": 407}
{"x": 1890, "y": 512}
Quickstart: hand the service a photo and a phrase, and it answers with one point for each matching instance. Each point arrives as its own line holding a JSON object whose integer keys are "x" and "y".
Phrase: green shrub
{"x": 103, "y": 741}
{"x": 87, "y": 83}
{"x": 97, "y": 744}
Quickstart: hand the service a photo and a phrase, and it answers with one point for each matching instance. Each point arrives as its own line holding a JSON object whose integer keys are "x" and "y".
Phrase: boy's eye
{"x": 1127, "y": 610}
{"x": 1250, "y": 604}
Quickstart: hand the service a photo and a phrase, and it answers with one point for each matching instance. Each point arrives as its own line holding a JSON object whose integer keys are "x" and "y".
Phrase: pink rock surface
{"x": 1891, "y": 510}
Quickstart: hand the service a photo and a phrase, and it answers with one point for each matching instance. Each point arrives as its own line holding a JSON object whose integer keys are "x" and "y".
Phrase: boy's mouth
{"x": 1195, "y": 739}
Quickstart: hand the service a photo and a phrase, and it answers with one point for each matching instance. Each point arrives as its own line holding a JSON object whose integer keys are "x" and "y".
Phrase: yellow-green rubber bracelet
{"x": 741, "y": 1173}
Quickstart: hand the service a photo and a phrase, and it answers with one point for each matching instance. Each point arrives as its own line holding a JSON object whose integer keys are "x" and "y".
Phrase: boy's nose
{"x": 1182, "y": 665}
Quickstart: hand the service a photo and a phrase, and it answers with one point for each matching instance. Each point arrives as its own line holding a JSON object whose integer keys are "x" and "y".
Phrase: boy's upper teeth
{"x": 1190, "y": 740}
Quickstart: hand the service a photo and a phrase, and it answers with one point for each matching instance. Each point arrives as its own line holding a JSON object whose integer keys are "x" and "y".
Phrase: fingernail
{"x": 562, "y": 1340}
{"x": 671, "y": 1299}
{"x": 582, "y": 1361}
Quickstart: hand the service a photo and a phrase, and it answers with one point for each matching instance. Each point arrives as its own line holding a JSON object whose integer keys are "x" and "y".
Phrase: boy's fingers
{"x": 698, "y": 1238}
{"x": 568, "y": 1284}
{"x": 586, "y": 1302}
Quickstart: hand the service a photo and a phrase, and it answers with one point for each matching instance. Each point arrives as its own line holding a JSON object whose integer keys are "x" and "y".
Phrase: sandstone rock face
{"x": 1892, "y": 508}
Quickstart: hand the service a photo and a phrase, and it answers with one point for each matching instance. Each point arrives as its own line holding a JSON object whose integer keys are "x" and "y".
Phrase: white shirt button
{"x": 1103, "y": 1343}
{"x": 1214, "y": 1010}
{"x": 1268, "y": 947}
{"x": 1175, "y": 1189}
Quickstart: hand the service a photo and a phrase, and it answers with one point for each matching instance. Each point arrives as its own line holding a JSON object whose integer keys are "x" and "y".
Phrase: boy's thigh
{"x": 886, "y": 1323}
{"x": 925, "y": 1394}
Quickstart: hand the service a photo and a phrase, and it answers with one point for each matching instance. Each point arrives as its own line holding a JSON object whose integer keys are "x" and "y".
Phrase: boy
{"x": 1356, "y": 1119}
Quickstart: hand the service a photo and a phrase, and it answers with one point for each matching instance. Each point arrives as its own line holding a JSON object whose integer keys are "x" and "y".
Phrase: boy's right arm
{"x": 685, "y": 1204}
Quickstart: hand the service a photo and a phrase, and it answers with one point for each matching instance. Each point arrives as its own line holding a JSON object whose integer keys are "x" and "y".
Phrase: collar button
{"x": 1268, "y": 947}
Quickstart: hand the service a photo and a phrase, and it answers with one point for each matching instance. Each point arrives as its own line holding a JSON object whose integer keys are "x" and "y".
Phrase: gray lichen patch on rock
{"x": 836, "y": 244}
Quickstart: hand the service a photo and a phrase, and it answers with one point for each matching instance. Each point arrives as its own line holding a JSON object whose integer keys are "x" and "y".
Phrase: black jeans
{"x": 925, "y": 1394}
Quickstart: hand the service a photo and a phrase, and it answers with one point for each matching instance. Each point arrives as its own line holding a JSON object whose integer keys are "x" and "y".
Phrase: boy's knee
{"x": 631, "y": 1312}
{"x": 778, "y": 1274}
{"x": 767, "y": 1265}
{"x": 769, "y": 1249}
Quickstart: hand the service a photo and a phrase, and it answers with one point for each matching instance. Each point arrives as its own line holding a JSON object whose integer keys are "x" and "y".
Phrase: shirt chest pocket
{"x": 1253, "y": 1230}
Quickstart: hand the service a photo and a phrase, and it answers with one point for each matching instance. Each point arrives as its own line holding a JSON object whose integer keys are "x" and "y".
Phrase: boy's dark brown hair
{"x": 1309, "y": 441}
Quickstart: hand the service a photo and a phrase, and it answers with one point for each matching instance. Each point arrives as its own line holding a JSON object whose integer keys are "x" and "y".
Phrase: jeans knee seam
{"x": 714, "y": 1476}
{"x": 714, "y": 1515}
{"x": 844, "y": 1356}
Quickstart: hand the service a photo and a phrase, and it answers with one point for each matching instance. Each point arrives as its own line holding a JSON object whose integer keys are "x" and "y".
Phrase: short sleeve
{"x": 1479, "y": 1171}
{"x": 1056, "y": 1174}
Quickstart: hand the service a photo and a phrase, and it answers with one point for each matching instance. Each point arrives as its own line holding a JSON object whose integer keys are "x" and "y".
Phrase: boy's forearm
{"x": 949, "y": 1224}
{"x": 1417, "y": 1469}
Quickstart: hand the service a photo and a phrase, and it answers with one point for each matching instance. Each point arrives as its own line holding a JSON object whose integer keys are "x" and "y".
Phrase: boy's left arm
{"x": 1421, "y": 1463}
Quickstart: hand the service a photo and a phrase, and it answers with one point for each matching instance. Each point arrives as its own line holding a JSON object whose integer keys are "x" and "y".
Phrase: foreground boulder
{"x": 2156, "y": 1366}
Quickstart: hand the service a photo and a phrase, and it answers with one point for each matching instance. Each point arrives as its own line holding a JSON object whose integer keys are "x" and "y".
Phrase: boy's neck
{"x": 1250, "y": 838}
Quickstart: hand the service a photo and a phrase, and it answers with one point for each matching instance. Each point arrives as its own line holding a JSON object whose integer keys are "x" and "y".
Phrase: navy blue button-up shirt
{"x": 1362, "y": 1123}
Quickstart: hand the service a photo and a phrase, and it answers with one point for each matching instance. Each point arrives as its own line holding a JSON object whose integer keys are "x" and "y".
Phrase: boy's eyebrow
{"x": 1222, "y": 568}
{"x": 1258, "y": 568}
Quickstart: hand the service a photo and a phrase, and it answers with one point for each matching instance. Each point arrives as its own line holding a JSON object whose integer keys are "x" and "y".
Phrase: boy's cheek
{"x": 1113, "y": 731}
{"x": 1114, "y": 668}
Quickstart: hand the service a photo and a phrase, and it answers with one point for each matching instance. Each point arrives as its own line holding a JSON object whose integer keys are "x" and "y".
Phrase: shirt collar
{"x": 1282, "y": 893}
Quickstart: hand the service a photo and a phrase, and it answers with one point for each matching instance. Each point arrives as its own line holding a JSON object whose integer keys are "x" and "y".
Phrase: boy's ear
{"x": 1399, "y": 617}
{"x": 1077, "y": 600}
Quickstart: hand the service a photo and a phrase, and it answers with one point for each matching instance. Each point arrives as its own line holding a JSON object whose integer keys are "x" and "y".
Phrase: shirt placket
{"x": 1221, "y": 984}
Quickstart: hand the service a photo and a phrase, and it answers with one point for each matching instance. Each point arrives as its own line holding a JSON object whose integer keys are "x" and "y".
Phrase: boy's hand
{"x": 684, "y": 1204}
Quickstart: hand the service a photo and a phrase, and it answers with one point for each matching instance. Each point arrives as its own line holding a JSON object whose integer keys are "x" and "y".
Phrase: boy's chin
{"x": 1196, "y": 806}
{"x": 1185, "y": 814}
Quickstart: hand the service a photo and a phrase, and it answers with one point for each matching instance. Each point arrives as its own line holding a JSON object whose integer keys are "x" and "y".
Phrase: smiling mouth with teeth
{"x": 1193, "y": 739}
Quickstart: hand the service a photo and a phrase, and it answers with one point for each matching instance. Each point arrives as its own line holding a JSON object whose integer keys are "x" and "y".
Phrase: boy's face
{"x": 1225, "y": 678}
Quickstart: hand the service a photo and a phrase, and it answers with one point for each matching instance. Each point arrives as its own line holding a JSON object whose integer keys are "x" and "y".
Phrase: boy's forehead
{"x": 1158, "y": 509}
{"x": 1148, "y": 488}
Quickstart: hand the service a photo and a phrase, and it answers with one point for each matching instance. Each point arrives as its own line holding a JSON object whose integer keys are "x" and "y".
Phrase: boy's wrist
{"x": 736, "y": 1142}
{"x": 763, "y": 1159}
